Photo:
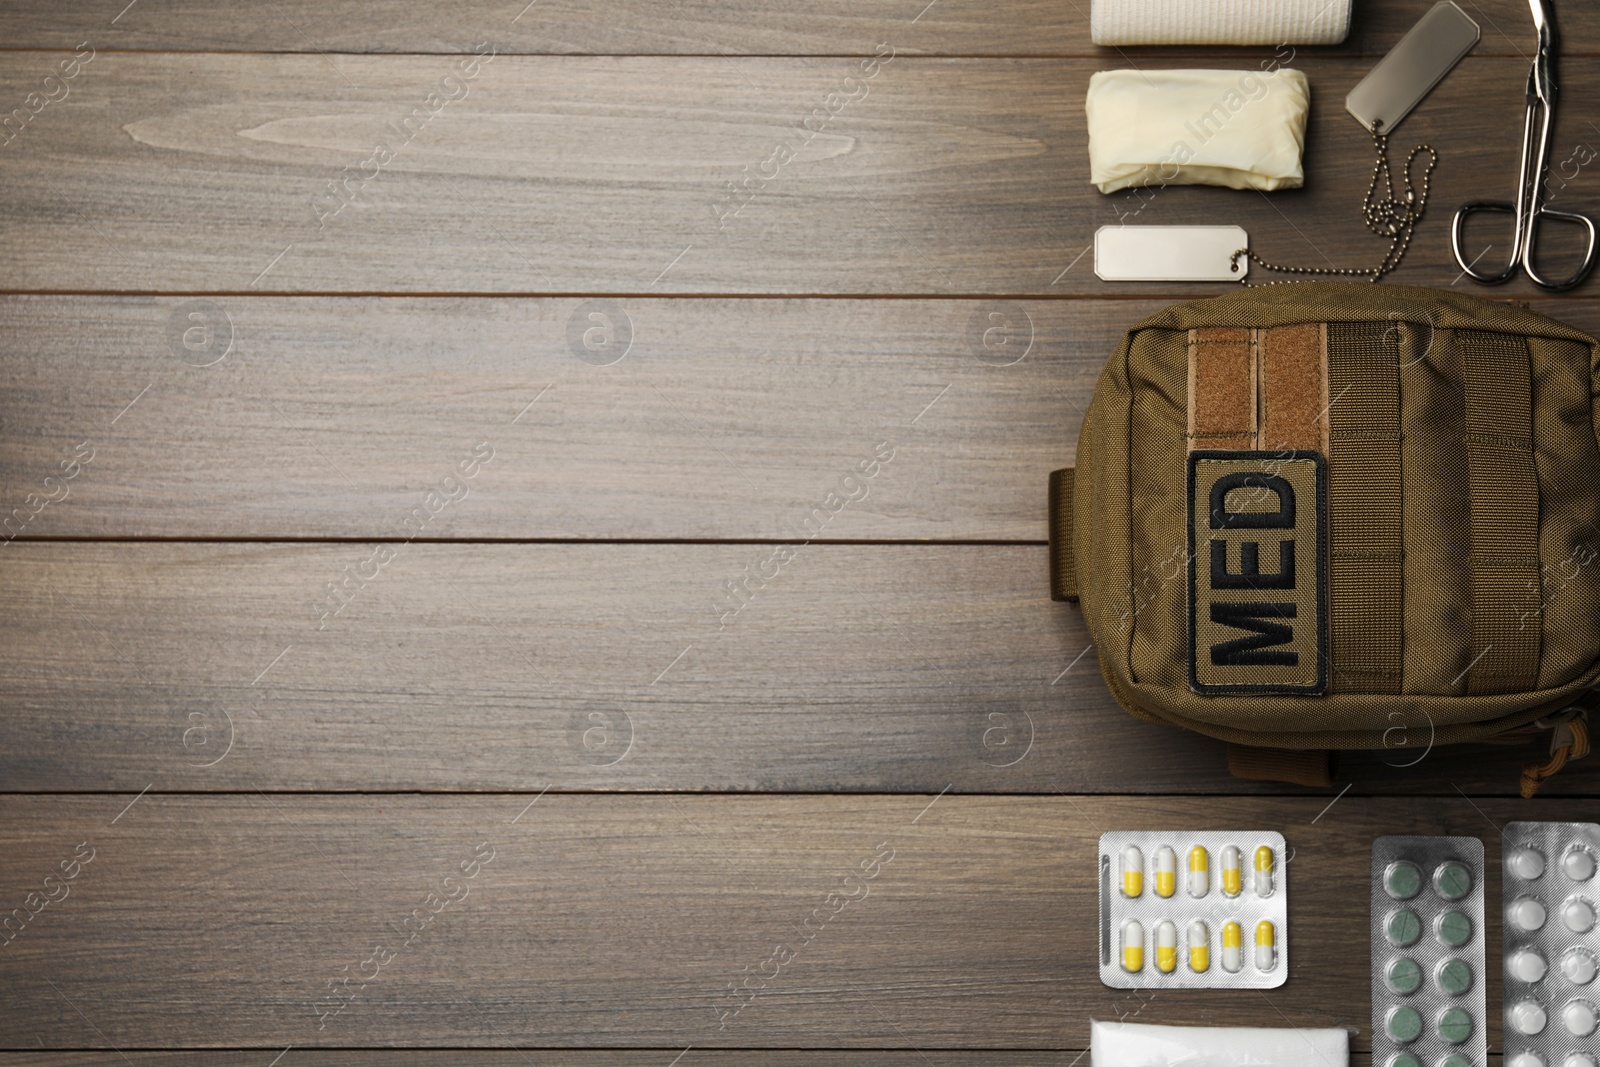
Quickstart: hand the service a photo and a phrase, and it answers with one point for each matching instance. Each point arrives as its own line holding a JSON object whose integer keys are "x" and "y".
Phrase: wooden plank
{"x": 629, "y": 667}
{"x": 699, "y": 27}
{"x": 570, "y": 1058}
{"x": 524, "y": 1057}
{"x": 576, "y": 1058}
{"x": 324, "y": 417}
{"x": 235, "y": 173}
{"x": 726, "y": 419}
{"x": 622, "y": 920}
{"x": 564, "y": 1058}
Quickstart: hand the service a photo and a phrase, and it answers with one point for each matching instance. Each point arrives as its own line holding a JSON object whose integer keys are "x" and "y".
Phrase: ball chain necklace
{"x": 1387, "y": 215}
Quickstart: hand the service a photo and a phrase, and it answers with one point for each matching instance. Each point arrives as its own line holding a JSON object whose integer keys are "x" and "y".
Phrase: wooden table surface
{"x": 391, "y": 577}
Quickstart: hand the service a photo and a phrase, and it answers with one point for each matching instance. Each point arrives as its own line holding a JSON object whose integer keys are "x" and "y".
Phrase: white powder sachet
{"x": 1240, "y": 129}
{"x": 1139, "y": 1045}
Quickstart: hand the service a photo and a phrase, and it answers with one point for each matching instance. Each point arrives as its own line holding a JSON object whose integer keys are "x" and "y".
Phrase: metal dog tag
{"x": 1169, "y": 253}
{"x": 1413, "y": 67}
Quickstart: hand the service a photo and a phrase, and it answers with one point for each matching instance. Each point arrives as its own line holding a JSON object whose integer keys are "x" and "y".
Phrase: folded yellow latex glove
{"x": 1242, "y": 129}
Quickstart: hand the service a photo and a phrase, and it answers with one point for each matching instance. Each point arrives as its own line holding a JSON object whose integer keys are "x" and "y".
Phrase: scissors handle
{"x": 1518, "y": 240}
{"x": 1584, "y": 265}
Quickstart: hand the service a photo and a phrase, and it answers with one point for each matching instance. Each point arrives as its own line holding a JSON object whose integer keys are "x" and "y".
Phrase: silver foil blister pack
{"x": 1193, "y": 910}
{"x": 1428, "y": 1002}
{"x": 1552, "y": 949}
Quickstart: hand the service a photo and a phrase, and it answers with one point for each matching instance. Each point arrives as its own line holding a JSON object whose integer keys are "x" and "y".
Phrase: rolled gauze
{"x": 1119, "y": 22}
{"x": 1240, "y": 129}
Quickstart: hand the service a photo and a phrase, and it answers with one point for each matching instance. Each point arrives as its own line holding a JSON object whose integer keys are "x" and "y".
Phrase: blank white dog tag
{"x": 1170, "y": 253}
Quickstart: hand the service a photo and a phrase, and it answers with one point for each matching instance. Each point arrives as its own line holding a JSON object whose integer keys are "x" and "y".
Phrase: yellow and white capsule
{"x": 1132, "y": 872}
{"x": 1232, "y": 871}
{"x": 1232, "y": 947}
{"x": 1199, "y": 871}
{"x": 1166, "y": 946}
{"x": 1133, "y": 946}
{"x": 1199, "y": 947}
{"x": 1266, "y": 869}
{"x": 1266, "y": 945}
{"x": 1166, "y": 864}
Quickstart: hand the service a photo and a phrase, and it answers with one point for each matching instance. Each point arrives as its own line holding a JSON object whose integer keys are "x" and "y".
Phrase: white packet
{"x": 1142, "y": 1045}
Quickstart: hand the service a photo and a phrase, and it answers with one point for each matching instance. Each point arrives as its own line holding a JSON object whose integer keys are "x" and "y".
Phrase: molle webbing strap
{"x": 1504, "y": 493}
{"x": 1365, "y": 565}
{"x": 1222, "y": 388}
{"x": 1063, "y": 569}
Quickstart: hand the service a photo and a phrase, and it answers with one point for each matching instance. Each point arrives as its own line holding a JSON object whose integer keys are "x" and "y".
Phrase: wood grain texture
{"x": 212, "y": 173}
{"x": 703, "y": 27}
{"x": 220, "y": 921}
{"x": 725, "y": 419}
{"x": 480, "y": 667}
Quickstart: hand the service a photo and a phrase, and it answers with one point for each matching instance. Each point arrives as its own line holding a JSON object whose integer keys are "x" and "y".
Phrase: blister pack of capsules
{"x": 1193, "y": 910}
{"x": 1552, "y": 950}
{"x": 1428, "y": 1003}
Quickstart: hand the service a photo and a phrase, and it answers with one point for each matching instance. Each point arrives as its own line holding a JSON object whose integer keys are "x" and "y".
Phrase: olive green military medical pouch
{"x": 1333, "y": 516}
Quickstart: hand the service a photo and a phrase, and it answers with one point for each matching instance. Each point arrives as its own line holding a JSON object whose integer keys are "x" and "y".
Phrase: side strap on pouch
{"x": 1063, "y": 568}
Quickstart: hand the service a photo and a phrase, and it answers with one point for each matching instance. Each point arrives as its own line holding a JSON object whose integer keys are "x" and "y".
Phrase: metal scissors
{"x": 1530, "y": 209}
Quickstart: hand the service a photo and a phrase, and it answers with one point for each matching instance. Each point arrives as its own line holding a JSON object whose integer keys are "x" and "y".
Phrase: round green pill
{"x": 1455, "y": 1025}
{"x": 1455, "y": 1059}
{"x": 1453, "y": 928}
{"x": 1403, "y": 976}
{"x": 1403, "y": 1025}
{"x": 1404, "y": 1059}
{"x": 1402, "y": 880}
{"x": 1452, "y": 880}
{"x": 1454, "y": 977}
{"x": 1403, "y": 928}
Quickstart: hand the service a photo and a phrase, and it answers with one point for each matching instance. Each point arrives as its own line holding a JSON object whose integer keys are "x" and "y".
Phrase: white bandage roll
{"x": 1243, "y": 129}
{"x": 1120, "y": 22}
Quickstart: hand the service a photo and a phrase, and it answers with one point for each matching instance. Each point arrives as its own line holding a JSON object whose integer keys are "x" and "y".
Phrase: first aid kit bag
{"x": 1305, "y": 517}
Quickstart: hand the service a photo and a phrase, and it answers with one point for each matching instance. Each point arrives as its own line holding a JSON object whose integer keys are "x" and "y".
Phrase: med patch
{"x": 1258, "y": 587}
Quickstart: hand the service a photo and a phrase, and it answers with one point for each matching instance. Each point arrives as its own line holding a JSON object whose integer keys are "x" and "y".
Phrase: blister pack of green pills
{"x": 1428, "y": 1003}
